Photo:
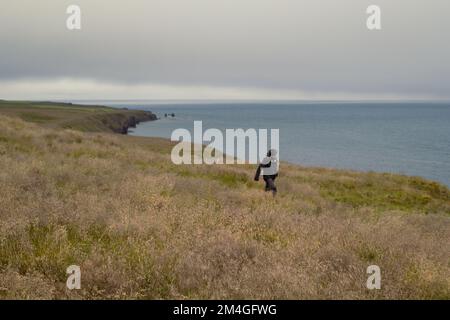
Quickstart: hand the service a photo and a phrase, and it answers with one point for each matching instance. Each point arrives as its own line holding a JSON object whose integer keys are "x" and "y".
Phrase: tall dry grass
{"x": 140, "y": 227}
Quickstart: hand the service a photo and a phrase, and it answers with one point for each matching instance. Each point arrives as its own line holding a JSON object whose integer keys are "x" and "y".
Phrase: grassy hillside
{"x": 73, "y": 116}
{"x": 141, "y": 227}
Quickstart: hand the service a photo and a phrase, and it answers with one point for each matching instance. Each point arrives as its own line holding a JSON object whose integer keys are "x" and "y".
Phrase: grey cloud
{"x": 310, "y": 45}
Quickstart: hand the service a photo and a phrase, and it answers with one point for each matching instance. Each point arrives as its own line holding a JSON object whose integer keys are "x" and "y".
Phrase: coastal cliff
{"x": 121, "y": 122}
{"x": 93, "y": 118}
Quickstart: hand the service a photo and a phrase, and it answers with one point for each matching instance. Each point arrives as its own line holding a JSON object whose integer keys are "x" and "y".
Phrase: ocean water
{"x": 407, "y": 138}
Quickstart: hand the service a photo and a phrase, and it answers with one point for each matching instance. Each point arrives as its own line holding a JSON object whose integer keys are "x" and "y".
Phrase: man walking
{"x": 269, "y": 167}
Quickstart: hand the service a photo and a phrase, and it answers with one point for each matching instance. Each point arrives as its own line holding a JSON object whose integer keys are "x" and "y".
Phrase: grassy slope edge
{"x": 141, "y": 227}
{"x": 75, "y": 116}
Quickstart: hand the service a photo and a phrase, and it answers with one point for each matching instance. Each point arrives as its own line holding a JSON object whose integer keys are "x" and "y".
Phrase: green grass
{"x": 35, "y": 117}
{"x": 385, "y": 193}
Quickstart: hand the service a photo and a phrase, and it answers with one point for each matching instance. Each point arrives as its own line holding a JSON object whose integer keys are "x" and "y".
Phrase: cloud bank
{"x": 233, "y": 49}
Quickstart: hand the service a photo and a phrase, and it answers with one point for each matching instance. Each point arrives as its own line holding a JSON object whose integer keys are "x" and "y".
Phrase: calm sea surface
{"x": 408, "y": 138}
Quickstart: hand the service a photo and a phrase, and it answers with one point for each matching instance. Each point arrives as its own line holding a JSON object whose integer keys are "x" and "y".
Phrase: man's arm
{"x": 258, "y": 173}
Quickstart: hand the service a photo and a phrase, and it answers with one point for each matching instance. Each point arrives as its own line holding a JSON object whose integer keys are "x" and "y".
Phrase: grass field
{"x": 142, "y": 228}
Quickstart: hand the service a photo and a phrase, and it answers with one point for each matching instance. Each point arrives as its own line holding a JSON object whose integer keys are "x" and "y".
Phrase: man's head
{"x": 272, "y": 153}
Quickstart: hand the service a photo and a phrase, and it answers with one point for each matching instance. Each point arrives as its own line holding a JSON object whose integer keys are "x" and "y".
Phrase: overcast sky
{"x": 225, "y": 49}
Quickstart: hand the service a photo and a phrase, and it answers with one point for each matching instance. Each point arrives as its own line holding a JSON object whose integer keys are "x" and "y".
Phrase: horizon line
{"x": 204, "y": 100}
